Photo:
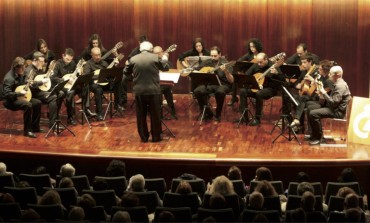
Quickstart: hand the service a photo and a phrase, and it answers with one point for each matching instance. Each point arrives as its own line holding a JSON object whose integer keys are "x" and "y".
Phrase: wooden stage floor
{"x": 218, "y": 142}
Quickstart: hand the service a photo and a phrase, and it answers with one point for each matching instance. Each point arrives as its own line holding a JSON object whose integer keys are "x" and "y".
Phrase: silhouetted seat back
{"x": 24, "y": 196}
{"x": 95, "y": 214}
{"x": 175, "y": 200}
{"x": 156, "y": 184}
{"x": 278, "y": 185}
{"x": 67, "y": 195}
{"x": 333, "y": 187}
{"x": 9, "y": 211}
{"x": 272, "y": 203}
{"x": 294, "y": 201}
{"x": 6, "y": 181}
{"x": 39, "y": 181}
{"x": 337, "y": 203}
{"x": 137, "y": 214}
{"x": 292, "y": 188}
{"x": 118, "y": 184}
{"x": 239, "y": 187}
{"x": 248, "y": 215}
{"x": 182, "y": 214}
{"x": 105, "y": 198}
{"x": 221, "y": 215}
{"x": 232, "y": 201}
{"x": 198, "y": 185}
{"x": 50, "y": 212}
{"x": 149, "y": 199}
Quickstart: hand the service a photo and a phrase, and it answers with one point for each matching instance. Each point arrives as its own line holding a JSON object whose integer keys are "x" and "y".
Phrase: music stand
{"x": 112, "y": 76}
{"x": 250, "y": 82}
{"x": 199, "y": 78}
{"x": 241, "y": 66}
{"x": 80, "y": 83}
{"x": 290, "y": 71}
{"x": 58, "y": 122}
{"x": 283, "y": 119}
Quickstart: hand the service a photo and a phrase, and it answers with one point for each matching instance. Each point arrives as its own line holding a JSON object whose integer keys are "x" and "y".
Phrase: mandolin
{"x": 47, "y": 85}
{"x": 185, "y": 72}
{"x": 26, "y": 87}
{"x": 73, "y": 76}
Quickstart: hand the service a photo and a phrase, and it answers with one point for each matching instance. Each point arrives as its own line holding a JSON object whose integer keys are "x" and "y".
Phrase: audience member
{"x": 76, "y": 214}
{"x": 303, "y": 177}
{"x": 3, "y": 171}
{"x": 6, "y": 198}
{"x": 263, "y": 173}
{"x": 296, "y": 215}
{"x": 266, "y": 188}
{"x": 217, "y": 201}
{"x": 67, "y": 170}
{"x": 116, "y": 168}
{"x": 136, "y": 183}
{"x": 66, "y": 182}
{"x": 256, "y": 201}
{"x": 50, "y": 197}
{"x": 129, "y": 199}
{"x": 260, "y": 218}
{"x": 42, "y": 170}
{"x": 353, "y": 215}
{"x": 166, "y": 216}
{"x": 221, "y": 185}
{"x": 234, "y": 173}
{"x": 121, "y": 216}
{"x": 344, "y": 191}
{"x": 30, "y": 215}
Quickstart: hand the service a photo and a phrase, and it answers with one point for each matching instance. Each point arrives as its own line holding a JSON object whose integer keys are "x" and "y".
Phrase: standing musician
{"x": 96, "y": 63}
{"x": 42, "y": 47}
{"x": 144, "y": 69}
{"x": 254, "y": 47}
{"x": 64, "y": 66}
{"x": 301, "y": 51}
{"x": 37, "y": 68}
{"x": 271, "y": 85}
{"x": 335, "y": 104}
{"x": 166, "y": 89}
{"x": 202, "y": 92}
{"x": 32, "y": 109}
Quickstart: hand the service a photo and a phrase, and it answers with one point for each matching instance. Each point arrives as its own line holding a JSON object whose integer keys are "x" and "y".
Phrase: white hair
{"x": 336, "y": 70}
{"x": 67, "y": 170}
{"x": 146, "y": 46}
{"x": 2, "y": 168}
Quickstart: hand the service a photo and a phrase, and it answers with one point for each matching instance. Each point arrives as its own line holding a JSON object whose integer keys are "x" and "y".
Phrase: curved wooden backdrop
{"x": 333, "y": 29}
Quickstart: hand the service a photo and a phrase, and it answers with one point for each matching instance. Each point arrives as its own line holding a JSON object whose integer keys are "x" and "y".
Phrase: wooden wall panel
{"x": 334, "y": 29}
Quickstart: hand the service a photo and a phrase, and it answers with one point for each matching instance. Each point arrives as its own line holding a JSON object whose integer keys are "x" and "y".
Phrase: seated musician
{"x": 302, "y": 50}
{"x": 64, "y": 66}
{"x": 42, "y": 47}
{"x": 15, "y": 100}
{"x": 166, "y": 89}
{"x": 37, "y": 68}
{"x": 197, "y": 50}
{"x": 307, "y": 86}
{"x": 202, "y": 92}
{"x": 335, "y": 104}
{"x": 271, "y": 85}
{"x": 96, "y": 63}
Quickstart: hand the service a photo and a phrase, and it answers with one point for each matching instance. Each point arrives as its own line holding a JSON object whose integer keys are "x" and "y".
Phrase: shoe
{"x": 144, "y": 140}
{"x": 314, "y": 142}
{"x": 173, "y": 116}
{"x": 71, "y": 121}
{"x": 295, "y": 123}
{"x": 254, "y": 122}
{"x": 99, "y": 118}
{"x": 307, "y": 138}
{"x": 217, "y": 119}
{"x": 157, "y": 139}
{"x": 29, "y": 134}
{"x": 38, "y": 130}
{"x": 119, "y": 108}
{"x": 89, "y": 113}
{"x": 233, "y": 101}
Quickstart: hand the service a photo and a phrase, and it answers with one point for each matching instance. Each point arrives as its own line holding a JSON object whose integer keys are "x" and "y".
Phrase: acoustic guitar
{"x": 97, "y": 72}
{"x": 308, "y": 88}
{"x": 115, "y": 48}
{"x": 26, "y": 87}
{"x": 73, "y": 76}
{"x": 47, "y": 85}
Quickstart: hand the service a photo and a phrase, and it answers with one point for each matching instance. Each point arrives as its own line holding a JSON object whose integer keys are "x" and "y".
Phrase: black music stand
{"x": 198, "y": 78}
{"x": 55, "y": 127}
{"x": 112, "y": 76}
{"x": 241, "y": 67}
{"x": 81, "y": 82}
{"x": 291, "y": 71}
{"x": 284, "y": 119}
{"x": 250, "y": 82}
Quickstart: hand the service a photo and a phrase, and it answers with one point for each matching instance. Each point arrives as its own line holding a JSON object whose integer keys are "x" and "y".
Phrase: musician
{"x": 32, "y": 109}
{"x": 300, "y": 52}
{"x": 197, "y": 50}
{"x": 42, "y": 47}
{"x": 94, "y": 41}
{"x": 309, "y": 80}
{"x": 37, "y": 67}
{"x": 64, "y": 66}
{"x": 202, "y": 92}
{"x": 166, "y": 89}
{"x": 144, "y": 70}
{"x": 335, "y": 104}
{"x": 271, "y": 85}
{"x": 255, "y": 47}
{"x": 96, "y": 63}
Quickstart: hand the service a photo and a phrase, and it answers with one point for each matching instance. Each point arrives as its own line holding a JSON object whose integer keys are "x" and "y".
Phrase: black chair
{"x": 221, "y": 215}
{"x": 239, "y": 187}
{"x": 337, "y": 203}
{"x": 137, "y": 214}
{"x": 312, "y": 216}
{"x": 50, "y": 212}
{"x": 156, "y": 184}
{"x": 10, "y": 211}
{"x": 105, "y": 198}
{"x": 333, "y": 187}
{"x": 149, "y": 199}
{"x": 6, "y": 181}
{"x": 232, "y": 201}
{"x": 118, "y": 184}
{"x": 174, "y": 200}
{"x": 317, "y": 186}
{"x": 248, "y": 215}
{"x": 95, "y": 214}
{"x": 198, "y": 185}
{"x": 182, "y": 214}
{"x": 81, "y": 182}
{"x": 294, "y": 201}
{"x": 278, "y": 185}
{"x": 67, "y": 195}
{"x": 272, "y": 203}
{"x": 23, "y": 196}
{"x": 39, "y": 181}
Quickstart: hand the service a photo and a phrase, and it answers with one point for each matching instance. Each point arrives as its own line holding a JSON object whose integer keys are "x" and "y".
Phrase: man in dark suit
{"x": 144, "y": 70}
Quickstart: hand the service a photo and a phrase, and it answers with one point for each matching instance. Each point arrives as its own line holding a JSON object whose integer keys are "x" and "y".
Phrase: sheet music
{"x": 169, "y": 76}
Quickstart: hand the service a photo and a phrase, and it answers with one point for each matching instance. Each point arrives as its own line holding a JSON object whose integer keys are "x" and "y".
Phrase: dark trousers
{"x": 31, "y": 115}
{"x": 311, "y": 105}
{"x": 202, "y": 93}
{"x": 167, "y": 93}
{"x": 52, "y": 102}
{"x": 263, "y": 94}
{"x": 70, "y": 102}
{"x": 124, "y": 87}
{"x": 314, "y": 119}
{"x": 151, "y": 104}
